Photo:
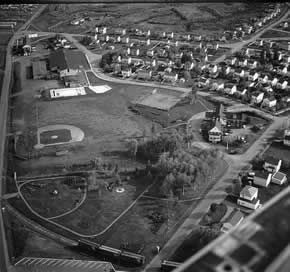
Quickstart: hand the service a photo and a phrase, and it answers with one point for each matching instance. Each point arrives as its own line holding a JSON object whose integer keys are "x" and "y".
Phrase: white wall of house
{"x": 248, "y": 204}
{"x": 68, "y": 72}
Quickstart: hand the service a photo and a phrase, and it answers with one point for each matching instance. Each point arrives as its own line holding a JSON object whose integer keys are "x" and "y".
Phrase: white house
{"x": 234, "y": 221}
{"x": 215, "y": 134}
{"x": 257, "y": 98}
{"x": 279, "y": 178}
{"x": 286, "y": 139}
{"x": 126, "y": 72}
{"x": 249, "y": 198}
{"x": 274, "y": 81}
{"x": 270, "y": 102}
{"x": 230, "y": 88}
{"x": 272, "y": 165}
{"x": 253, "y": 76}
{"x": 262, "y": 179}
{"x": 203, "y": 82}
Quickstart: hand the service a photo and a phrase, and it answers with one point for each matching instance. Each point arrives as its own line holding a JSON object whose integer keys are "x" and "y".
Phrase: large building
{"x": 68, "y": 62}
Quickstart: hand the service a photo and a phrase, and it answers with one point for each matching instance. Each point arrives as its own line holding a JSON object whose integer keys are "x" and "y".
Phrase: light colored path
{"x": 54, "y": 217}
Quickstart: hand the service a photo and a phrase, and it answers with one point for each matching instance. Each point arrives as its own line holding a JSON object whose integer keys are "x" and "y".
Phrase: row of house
{"x": 271, "y": 174}
{"x": 253, "y": 25}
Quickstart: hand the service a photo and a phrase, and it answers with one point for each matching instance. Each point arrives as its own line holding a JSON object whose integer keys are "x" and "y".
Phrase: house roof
{"x": 216, "y": 127}
{"x": 236, "y": 218}
{"x": 249, "y": 191}
{"x": 69, "y": 59}
{"x": 279, "y": 175}
{"x": 39, "y": 67}
{"x": 262, "y": 174}
{"x": 272, "y": 160}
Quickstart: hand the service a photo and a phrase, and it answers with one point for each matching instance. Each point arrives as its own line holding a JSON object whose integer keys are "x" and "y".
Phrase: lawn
{"x": 278, "y": 150}
{"x": 274, "y": 34}
{"x": 55, "y": 136}
{"x": 265, "y": 194}
{"x": 39, "y": 195}
{"x": 139, "y": 229}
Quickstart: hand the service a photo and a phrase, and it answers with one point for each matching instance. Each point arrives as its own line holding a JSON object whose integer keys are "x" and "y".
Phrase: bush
{"x": 214, "y": 215}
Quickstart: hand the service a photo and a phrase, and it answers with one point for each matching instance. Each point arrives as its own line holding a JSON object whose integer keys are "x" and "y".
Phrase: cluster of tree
{"x": 86, "y": 40}
{"x": 215, "y": 214}
{"x": 107, "y": 60}
{"x": 158, "y": 144}
{"x": 182, "y": 167}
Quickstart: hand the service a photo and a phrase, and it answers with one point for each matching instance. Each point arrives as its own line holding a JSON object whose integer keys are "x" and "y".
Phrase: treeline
{"x": 177, "y": 165}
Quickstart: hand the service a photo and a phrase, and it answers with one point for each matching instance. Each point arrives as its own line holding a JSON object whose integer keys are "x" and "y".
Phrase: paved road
{"x": 235, "y": 47}
{"x": 4, "y": 258}
{"x": 217, "y": 193}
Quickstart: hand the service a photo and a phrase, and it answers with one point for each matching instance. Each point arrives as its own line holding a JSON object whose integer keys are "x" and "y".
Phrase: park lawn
{"x": 136, "y": 228}
{"x": 100, "y": 210}
{"x": 39, "y": 196}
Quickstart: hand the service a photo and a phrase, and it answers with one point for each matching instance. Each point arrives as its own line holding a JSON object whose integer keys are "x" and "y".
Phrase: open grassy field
{"x": 100, "y": 210}
{"x": 196, "y": 18}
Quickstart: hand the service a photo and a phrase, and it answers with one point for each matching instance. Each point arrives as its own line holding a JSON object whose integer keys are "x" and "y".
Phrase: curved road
{"x": 218, "y": 189}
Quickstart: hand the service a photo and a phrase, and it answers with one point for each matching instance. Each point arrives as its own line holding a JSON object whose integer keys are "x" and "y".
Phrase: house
{"x": 249, "y": 198}
{"x": 126, "y": 72}
{"x": 170, "y": 77}
{"x": 286, "y": 139}
{"x": 252, "y": 64}
{"x": 39, "y": 69}
{"x": 235, "y": 119}
{"x": 279, "y": 178}
{"x": 230, "y": 88}
{"x": 253, "y": 76}
{"x": 270, "y": 102}
{"x": 68, "y": 62}
{"x": 272, "y": 164}
{"x": 215, "y": 134}
{"x": 257, "y": 97}
{"x": 78, "y": 80}
{"x": 262, "y": 179}
{"x": 203, "y": 82}
{"x": 274, "y": 81}
{"x": 144, "y": 74}
{"x": 282, "y": 84}
{"x": 235, "y": 220}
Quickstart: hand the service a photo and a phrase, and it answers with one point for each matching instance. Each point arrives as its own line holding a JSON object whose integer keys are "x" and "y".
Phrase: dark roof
{"x": 39, "y": 67}
{"x": 68, "y": 59}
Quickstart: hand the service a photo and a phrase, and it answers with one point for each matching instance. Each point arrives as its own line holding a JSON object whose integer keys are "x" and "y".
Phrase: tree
{"x": 86, "y": 40}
